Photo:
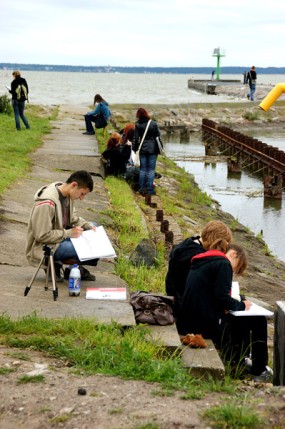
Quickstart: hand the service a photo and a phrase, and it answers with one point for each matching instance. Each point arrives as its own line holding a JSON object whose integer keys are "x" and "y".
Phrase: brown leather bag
{"x": 153, "y": 309}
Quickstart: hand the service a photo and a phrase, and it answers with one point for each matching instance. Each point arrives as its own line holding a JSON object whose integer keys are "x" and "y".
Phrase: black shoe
{"x": 57, "y": 270}
{"x": 66, "y": 273}
{"x": 86, "y": 275}
{"x": 88, "y": 133}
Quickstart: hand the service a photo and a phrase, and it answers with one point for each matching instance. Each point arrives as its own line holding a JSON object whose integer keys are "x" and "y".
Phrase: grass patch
{"x": 4, "y": 370}
{"x": 30, "y": 379}
{"x": 105, "y": 349}
{"x": 232, "y": 416}
{"x": 17, "y": 145}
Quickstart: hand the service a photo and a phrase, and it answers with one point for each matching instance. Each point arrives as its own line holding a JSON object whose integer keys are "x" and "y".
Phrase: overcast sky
{"x": 165, "y": 33}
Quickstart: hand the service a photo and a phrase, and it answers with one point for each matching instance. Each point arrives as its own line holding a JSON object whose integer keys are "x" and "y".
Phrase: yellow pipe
{"x": 272, "y": 96}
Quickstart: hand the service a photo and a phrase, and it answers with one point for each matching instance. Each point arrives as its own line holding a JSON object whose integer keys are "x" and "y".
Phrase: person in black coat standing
{"x": 148, "y": 151}
{"x": 251, "y": 80}
{"x": 19, "y": 91}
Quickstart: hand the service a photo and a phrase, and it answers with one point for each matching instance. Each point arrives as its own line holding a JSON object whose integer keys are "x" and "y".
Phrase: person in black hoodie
{"x": 148, "y": 151}
{"x": 181, "y": 256}
{"x": 19, "y": 91}
{"x": 206, "y": 305}
{"x": 116, "y": 156}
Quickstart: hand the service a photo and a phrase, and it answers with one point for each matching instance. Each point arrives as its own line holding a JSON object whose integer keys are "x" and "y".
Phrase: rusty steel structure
{"x": 245, "y": 152}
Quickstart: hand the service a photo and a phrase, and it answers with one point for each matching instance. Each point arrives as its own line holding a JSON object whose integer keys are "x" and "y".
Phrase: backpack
{"x": 179, "y": 265}
{"x": 22, "y": 92}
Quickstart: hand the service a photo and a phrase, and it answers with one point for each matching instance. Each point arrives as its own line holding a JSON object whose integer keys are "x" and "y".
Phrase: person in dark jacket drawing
{"x": 148, "y": 151}
{"x": 213, "y": 234}
{"x": 115, "y": 157}
{"x": 206, "y": 306}
{"x": 19, "y": 91}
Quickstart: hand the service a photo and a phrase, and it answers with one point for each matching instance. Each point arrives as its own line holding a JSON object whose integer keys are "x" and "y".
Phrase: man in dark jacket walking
{"x": 251, "y": 80}
{"x": 19, "y": 91}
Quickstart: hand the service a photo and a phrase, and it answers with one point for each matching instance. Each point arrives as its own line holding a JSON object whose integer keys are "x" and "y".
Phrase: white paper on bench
{"x": 255, "y": 310}
{"x": 93, "y": 244}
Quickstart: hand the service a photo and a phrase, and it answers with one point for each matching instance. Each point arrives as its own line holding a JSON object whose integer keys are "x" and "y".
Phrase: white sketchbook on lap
{"x": 93, "y": 244}
{"x": 255, "y": 309}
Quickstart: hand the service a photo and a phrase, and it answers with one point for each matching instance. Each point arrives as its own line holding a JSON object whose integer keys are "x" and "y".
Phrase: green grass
{"x": 233, "y": 416}
{"x": 17, "y": 145}
{"x": 24, "y": 379}
{"x": 97, "y": 348}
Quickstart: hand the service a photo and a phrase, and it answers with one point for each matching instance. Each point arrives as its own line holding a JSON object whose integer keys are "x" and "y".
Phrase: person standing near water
{"x": 19, "y": 90}
{"x": 251, "y": 80}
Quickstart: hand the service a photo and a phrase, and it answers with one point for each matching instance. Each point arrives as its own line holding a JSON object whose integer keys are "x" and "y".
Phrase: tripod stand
{"x": 48, "y": 261}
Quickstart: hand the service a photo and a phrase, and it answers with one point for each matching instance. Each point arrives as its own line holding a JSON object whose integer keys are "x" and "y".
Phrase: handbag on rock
{"x": 151, "y": 308}
{"x": 137, "y": 154}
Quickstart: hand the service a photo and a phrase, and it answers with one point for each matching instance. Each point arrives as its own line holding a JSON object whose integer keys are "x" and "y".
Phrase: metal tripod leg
{"x": 53, "y": 279}
{"x": 50, "y": 270}
{"x": 27, "y": 289}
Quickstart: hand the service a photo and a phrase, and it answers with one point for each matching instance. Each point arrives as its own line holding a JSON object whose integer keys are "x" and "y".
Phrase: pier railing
{"x": 246, "y": 152}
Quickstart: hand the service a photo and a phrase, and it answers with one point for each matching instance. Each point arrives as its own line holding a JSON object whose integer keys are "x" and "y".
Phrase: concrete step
{"x": 204, "y": 363}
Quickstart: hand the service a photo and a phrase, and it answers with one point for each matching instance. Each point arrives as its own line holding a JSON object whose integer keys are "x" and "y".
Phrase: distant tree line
{"x": 115, "y": 69}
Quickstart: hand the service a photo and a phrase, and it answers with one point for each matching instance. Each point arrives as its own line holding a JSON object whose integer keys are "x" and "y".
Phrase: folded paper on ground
{"x": 93, "y": 244}
{"x": 116, "y": 293}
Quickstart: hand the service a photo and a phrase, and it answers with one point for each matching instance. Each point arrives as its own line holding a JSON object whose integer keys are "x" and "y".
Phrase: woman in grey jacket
{"x": 148, "y": 151}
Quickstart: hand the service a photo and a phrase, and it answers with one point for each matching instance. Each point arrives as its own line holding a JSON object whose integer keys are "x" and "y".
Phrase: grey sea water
{"x": 241, "y": 196}
{"x": 80, "y": 88}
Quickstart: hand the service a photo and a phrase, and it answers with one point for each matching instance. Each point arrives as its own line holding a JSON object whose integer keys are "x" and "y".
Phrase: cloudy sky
{"x": 165, "y": 33}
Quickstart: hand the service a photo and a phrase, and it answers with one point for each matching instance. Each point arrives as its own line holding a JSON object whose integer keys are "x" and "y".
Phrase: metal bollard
{"x": 164, "y": 226}
{"x": 169, "y": 236}
{"x": 148, "y": 200}
{"x": 159, "y": 215}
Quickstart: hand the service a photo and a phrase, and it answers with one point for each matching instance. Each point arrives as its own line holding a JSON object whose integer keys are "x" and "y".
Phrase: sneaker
{"x": 265, "y": 376}
{"x": 247, "y": 96}
{"x": 86, "y": 275}
{"x": 88, "y": 133}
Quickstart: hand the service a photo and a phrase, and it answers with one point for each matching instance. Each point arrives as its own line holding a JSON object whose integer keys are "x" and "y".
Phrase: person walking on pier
{"x": 19, "y": 91}
{"x": 251, "y": 80}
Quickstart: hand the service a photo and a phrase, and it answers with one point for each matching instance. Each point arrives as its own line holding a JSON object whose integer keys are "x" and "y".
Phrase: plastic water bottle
{"x": 74, "y": 281}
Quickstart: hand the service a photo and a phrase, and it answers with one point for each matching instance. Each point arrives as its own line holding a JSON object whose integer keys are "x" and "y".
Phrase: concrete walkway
{"x": 64, "y": 150}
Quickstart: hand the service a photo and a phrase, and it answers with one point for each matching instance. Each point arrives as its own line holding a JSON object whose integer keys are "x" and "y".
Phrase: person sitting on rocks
{"x": 101, "y": 108}
{"x": 207, "y": 303}
{"x": 116, "y": 156}
{"x": 53, "y": 221}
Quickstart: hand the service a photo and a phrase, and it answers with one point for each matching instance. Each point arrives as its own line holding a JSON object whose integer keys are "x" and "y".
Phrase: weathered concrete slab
{"x": 203, "y": 362}
{"x": 200, "y": 362}
{"x": 64, "y": 150}
{"x": 279, "y": 345}
{"x": 39, "y": 301}
{"x": 167, "y": 336}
